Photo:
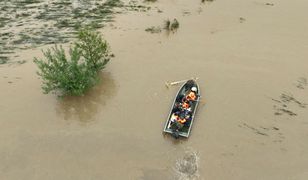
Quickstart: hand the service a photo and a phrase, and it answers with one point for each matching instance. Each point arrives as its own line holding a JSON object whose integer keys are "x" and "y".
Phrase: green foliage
{"x": 3, "y": 59}
{"x": 171, "y": 26}
{"x": 93, "y": 49}
{"x": 174, "y": 25}
{"x": 153, "y": 29}
{"x": 79, "y": 72}
{"x": 167, "y": 24}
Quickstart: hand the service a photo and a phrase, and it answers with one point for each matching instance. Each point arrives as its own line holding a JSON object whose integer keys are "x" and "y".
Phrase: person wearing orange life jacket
{"x": 192, "y": 94}
{"x": 185, "y": 105}
{"x": 176, "y": 123}
{"x": 182, "y": 121}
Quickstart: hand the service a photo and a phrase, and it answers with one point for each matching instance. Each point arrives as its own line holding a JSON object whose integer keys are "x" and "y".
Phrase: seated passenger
{"x": 182, "y": 121}
{"x": 188, "y": 118}
{"x": 185, "y": 105}
{"x": 192, "y": 95}
{"x": 174, "y": 117}
{"x": 177, "y": 107}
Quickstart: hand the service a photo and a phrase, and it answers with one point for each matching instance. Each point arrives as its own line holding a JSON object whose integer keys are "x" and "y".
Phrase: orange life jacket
{"x": 185, "y": 105}
{"x": 191, "y": 96}
{"x": 182, "y": 121}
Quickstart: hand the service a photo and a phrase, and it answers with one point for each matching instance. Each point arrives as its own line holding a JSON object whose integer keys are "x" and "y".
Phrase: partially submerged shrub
{"x": 167, "y": 24}
{"x": 241, "y": 19}
{"x": 3, "y": 60}
{"x": 153, "y": 29}
{"x": 174, "y": 25}
{"x": 171, "y": 26}
{"x": 75, "y": 74}
{"x": 93, "y": 49}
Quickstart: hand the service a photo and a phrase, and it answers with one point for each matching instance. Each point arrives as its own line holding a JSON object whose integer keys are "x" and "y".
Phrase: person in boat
{"x": 178, "y": 120}
{"x": 192, "y": 95}
{"x": 177, "y": 107}
{"x": 185, "y": 105}
{"x": 180, "y": 107}
{"x": 188, "y": 118}
{"x": 178, "y": 117}
{"x": 176, "y": 123}
{"x": 182, "y": 121}
{"x": 185, "y": 114}
{"x": 174, "y": 117}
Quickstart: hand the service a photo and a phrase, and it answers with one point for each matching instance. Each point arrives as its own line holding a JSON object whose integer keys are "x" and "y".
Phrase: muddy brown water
{"x": 249, "y": 56}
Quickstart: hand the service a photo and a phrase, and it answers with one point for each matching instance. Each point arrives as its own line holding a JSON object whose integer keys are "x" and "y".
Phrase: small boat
{"x": 185, "y": 129}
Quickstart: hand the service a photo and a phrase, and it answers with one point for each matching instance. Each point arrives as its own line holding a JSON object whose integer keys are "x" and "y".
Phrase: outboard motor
{"x": 176, "y": 134}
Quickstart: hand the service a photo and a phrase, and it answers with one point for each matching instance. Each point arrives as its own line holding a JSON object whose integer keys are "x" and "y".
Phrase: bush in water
{"x": 75, "y": 74}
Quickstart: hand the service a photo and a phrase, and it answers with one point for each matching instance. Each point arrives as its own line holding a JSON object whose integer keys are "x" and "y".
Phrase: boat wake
{"x": 186, "y": 168}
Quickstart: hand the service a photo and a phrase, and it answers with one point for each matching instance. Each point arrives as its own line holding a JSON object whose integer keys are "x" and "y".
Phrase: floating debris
{"x": 269, "y": 4}
{"x": 153, "y": 29}
{"x": 203, "y": 1}
{"x": 287, "y": 98}
{"x": 282, "y": 105}
{"x": 171, "y": 25}
{"x": 241, "y": 19}
{"x": 302, "y": 83}
{"x": 255, "y": 130}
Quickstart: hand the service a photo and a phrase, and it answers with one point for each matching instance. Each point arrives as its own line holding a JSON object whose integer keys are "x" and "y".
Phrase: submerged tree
{"x": 171, "y": 26}
{"x": 75, "y": 74}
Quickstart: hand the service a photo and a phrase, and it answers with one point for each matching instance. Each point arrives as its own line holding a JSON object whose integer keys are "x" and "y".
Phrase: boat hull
{"x": 186, "y": 129}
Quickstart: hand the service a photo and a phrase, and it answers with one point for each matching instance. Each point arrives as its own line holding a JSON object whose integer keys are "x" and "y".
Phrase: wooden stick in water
{"x": 168, "y": 84}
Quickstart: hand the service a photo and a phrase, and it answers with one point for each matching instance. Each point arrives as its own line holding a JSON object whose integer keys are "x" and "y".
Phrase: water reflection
{"x": 84, "y": 108}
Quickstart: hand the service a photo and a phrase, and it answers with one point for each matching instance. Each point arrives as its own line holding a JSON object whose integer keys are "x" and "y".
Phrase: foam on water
{"x": 186, "y": 168}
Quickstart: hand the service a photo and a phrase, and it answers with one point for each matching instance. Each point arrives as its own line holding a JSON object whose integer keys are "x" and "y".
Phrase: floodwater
{"x": 251, "y": 61}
